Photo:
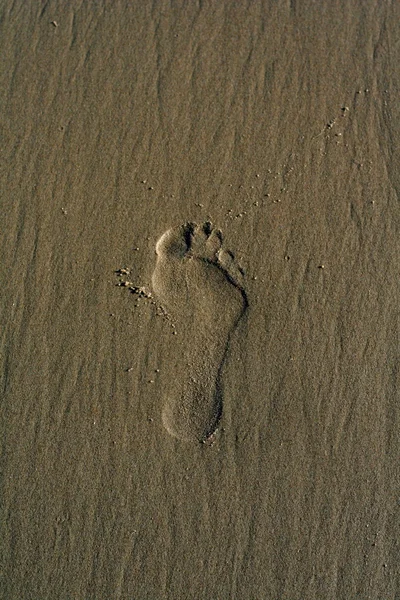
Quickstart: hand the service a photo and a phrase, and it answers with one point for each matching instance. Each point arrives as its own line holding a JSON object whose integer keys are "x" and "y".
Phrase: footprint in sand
{"x": 202, "y": 288}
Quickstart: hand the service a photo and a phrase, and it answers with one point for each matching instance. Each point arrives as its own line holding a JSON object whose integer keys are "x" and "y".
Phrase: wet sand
{"x": 279, "y": 123}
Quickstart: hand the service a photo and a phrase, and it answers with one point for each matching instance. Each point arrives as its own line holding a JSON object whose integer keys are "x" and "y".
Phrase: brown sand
{"x": 279, "y": 122}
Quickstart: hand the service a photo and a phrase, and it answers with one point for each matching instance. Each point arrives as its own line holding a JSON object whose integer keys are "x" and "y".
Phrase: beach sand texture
{"x": 219, "y": 420}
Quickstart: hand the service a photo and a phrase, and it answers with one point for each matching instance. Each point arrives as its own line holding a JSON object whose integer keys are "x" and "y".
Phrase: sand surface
{"x": 279, "y": 123}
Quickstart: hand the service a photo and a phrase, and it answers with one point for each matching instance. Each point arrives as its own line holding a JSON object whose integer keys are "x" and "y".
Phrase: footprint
{"x": 202, "y": 288}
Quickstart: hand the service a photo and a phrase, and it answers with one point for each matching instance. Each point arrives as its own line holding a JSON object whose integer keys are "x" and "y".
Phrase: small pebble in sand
{"x": 123, "y": 271}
